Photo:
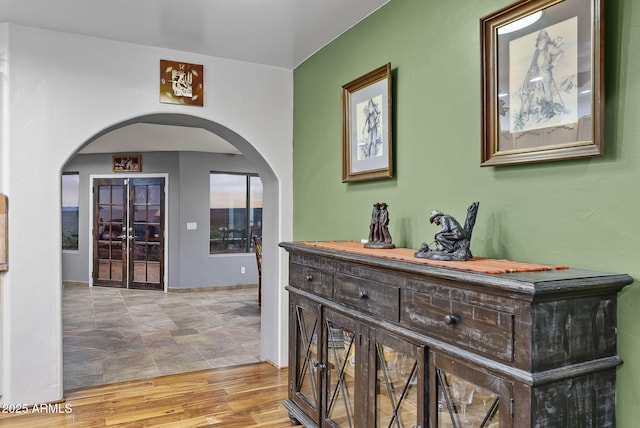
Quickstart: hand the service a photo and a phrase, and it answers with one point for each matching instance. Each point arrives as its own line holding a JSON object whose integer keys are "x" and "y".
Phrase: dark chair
{"x": 257, "y": 246}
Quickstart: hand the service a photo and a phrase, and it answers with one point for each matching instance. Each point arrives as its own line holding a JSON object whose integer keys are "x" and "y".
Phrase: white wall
{"x": 59, "y": 90}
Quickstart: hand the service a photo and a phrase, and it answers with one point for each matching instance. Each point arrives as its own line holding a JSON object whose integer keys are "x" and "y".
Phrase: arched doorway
{"x": 270, "y": 320}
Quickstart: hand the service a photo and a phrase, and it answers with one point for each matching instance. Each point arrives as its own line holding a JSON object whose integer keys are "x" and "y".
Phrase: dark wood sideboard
{"x": 378, "y": 342}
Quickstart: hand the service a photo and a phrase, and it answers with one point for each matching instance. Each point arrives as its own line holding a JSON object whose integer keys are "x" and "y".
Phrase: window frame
{"x": 62, "y": 194}
{"x": 248, "y": 244}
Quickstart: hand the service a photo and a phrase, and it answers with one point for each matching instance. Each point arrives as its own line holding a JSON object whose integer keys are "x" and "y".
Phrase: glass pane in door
{"x": 129, "y": 232}
{"x": 308, "y": 365}
{"x": 463, "y": 404}
{"x": 340, "y": 374}
{"x": 147, "y": 231}
{"x": 110, "y": 243}
{"x": 396, "y": 388}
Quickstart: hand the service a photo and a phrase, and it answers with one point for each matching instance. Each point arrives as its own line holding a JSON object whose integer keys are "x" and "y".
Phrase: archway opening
{"x": 172, "y": 160}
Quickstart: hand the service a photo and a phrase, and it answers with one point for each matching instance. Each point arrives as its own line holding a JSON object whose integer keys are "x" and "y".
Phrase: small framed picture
{"x": 181, "y": 83}
{"x": 542, "y": 82}
{"x": 366, "y": 126}
{"x": 127, "y": 163}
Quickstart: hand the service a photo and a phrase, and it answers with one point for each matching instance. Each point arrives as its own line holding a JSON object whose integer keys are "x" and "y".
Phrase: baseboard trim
{"x": 275, "y": 365}
{"x": 212, "y": 288}
{"x": 75, "y": 284}
{"x": 177, "y": 290}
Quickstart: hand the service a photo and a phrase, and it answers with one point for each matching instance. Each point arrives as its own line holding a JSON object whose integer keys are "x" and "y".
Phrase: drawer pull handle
{"x": 364, "y": 295}
{"x": 309, "y": 277}
{"x": 451, "y": 319}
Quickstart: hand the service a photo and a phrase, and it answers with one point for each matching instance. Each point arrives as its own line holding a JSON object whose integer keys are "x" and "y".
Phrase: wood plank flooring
{"x": 235, "y": 397}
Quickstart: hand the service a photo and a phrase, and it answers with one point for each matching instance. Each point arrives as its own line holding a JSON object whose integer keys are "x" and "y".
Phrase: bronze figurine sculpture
{"x": 379, "y": 236}
{"x": 452, "y": 241}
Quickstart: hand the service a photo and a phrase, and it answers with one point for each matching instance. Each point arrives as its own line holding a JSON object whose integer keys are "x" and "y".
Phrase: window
{"x": 70, "y": 208}
{"x": 235, "y": 212}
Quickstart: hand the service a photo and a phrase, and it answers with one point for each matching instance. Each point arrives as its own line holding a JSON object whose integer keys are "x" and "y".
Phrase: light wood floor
{"x": 234, "y": 397}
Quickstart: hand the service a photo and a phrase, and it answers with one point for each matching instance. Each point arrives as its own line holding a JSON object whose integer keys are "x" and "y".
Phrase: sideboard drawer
{"x": 311, "y": 279}
{"x": 468, "y": 325}
{"x": 368, "y": 296}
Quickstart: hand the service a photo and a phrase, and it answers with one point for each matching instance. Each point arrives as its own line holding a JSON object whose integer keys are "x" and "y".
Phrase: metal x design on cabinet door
{"x": 340, "y": 374}
{"x": 307, "y": 334}
{"x": 397, "y": 382}
{"x": 466, "y": 404}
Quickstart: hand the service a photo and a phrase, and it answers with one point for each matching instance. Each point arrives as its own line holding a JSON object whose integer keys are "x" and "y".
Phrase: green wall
{"x": 583, "y": 213}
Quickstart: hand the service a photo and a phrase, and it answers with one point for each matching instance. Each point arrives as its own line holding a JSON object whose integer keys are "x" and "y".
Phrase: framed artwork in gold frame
{"x": 366, "y": 126}
{"x": 542, "y": 82}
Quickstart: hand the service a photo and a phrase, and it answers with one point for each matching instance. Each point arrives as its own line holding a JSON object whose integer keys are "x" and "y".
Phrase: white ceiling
{"x": 281, "y": 33}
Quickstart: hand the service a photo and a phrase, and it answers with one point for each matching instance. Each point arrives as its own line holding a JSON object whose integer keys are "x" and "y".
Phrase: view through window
{"x": 70, "y": 204}
{"x": 235, "y": 212}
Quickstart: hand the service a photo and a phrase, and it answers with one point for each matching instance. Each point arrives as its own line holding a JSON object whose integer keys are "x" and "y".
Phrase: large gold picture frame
{"x": 366, "y": 126}
{"x": 542, "y": 82}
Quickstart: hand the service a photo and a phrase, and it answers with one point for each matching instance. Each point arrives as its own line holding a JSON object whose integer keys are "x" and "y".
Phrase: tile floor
{"x": 113, "y": 334}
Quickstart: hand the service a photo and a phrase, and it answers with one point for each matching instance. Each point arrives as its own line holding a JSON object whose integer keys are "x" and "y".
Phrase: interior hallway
{"x": 114, "y": 335}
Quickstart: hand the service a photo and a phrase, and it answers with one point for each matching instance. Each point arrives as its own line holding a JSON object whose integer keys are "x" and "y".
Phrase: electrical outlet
{"x": 243, "y": 270}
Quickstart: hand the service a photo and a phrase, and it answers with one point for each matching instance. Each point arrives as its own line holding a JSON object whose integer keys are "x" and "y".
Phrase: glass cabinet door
{"x": 307, "y": 364}
{"x": 341, "y": 365}
{"x": 467, "y": 398}
{"x": 399, "y": 382}
{"x": 464, "y": 404}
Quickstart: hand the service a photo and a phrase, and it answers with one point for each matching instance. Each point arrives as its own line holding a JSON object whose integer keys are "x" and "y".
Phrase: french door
{"x": 128, "y": 232}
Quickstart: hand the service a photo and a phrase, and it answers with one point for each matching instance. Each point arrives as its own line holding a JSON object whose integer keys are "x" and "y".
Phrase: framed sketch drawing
{"x": 366, "y": 126}
{"x": 542, "y": 82}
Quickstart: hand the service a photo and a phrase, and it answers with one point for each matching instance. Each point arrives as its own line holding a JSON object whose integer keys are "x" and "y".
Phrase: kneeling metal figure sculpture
{"x": 452, "y": 241}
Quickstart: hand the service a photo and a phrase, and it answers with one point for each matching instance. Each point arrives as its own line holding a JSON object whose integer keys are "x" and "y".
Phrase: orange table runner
{"x": 476, "y": 264}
